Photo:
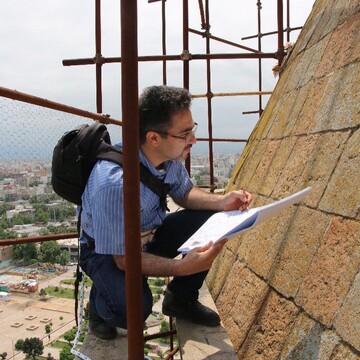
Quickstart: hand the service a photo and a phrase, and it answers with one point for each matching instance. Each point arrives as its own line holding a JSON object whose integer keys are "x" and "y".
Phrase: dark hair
{"x": 157, "y": 104}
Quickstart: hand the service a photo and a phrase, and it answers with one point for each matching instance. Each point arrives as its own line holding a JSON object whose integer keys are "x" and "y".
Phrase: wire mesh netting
{"x": 30, "y": 132}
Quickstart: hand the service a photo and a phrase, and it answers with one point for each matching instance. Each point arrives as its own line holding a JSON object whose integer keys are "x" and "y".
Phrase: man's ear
{"x": 152, "y": 137}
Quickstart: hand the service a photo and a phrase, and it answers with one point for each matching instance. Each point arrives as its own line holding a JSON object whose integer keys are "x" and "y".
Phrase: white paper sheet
{"x": 228, "y": 224}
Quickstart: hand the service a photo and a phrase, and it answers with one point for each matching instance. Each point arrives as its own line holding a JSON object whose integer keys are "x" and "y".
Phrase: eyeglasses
{"x": 187, "y": 135}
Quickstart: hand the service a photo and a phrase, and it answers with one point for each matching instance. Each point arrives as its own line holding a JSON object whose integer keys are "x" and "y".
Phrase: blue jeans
{"x": 107, "y": 293}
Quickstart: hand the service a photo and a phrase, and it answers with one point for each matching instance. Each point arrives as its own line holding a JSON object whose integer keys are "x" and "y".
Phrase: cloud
{"x": 36, "y": 35}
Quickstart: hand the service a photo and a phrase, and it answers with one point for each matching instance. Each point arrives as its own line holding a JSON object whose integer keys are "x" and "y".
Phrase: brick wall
{"x": 290, "y": 288}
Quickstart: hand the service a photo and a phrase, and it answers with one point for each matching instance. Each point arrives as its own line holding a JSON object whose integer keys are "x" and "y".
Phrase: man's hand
{"x": 237, "y": 200}
{"x": 201, "y": 258}
{"x": 196, "y": 260}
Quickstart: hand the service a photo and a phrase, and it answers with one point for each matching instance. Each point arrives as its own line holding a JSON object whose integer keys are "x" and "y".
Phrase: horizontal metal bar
{"x": 242, "y": 93}
{"x": 20, "y": 96}
{"x": 35, "y": 239}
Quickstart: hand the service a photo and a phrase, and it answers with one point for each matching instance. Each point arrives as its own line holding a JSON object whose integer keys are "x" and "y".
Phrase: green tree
{"x": 41, "y": 215}
{"x": 30, "y": 252}
{"x": 65, "y": 353}
{"x": 47, "y": 329}
{"x": 26, "y": 252}
{"x": 63, "y": 258}
{"x": 69, "y": 336}
{"x": 21, "y": 219}
{"x": 30, "y": 347}
{"x": 49, "y": 251}
{"x": 42, "y": 293}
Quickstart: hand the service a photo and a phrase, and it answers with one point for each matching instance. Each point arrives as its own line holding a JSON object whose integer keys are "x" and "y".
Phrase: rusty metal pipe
{"x": 90, "y": 61}
{"x": 35, "y": 239}
{"x": 280, "y": 22}
{"x": 129, "y": 98}
{"x": 212, "y": 37}
{"x": 98, "y": 56}
{"x": 30, "y": 99}
{"x": 209, "y": 98}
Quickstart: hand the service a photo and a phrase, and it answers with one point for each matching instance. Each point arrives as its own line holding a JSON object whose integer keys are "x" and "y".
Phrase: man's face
{"x": 179, "y": 137}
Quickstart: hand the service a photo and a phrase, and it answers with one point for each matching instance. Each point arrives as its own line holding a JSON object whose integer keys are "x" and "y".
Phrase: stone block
{"x": 269, "y": 330}
{"x": 309, "y": 28}
{"x": 241, "y": 177}
{"x": 219, "y": 272}
{"x": 260, "y": 246}
{"x": 352, "y": 8}
{"x": 342, "y": 49}
{"x": 339, "y": 109}
{"x": 309, "y": 340}
{"x": 312, "y": 58}
{"x": 265, "y": 164}
{"x": 322, "y": 164}
{"x": 331, "y": 274}
{"x": 342, "y": 352}
{"x": 342, "y": 195}
{"x": 314, "y": 91}
{"x": 292, "y": 177}
{"x": 323, "y": 28}
{"x": 304, "y": 234}
{"x": 204, "y": 342}
{"x": 277, "y": 165}
{"x": 282, "y": 115}
{"x": 347, "y": 319}
{"x": 239, "y": 301}
{"x": 95, "y": 348}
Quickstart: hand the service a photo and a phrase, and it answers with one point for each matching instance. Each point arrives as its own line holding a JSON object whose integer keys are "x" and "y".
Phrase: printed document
{"x": 227, "y": 224}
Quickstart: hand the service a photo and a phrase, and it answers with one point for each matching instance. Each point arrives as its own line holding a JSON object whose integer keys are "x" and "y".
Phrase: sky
{"x": 36, "y": 35}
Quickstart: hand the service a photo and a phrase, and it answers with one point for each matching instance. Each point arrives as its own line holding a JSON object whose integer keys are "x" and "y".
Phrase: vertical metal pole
{"x": 186, "y": 82}
{"x": 98, "y": 62}
{"x": 259, "y": 60}
{"x": 129, "y": 98}
{"x": 209, "y": 96}
{"x": 280, "y": 23}
{"x": 288, "y": 20}
{"x": 163, "y": 13}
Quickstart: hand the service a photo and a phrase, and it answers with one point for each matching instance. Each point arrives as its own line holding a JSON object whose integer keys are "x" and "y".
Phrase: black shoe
{"x": 192, "y": 311}
{"x": 99, "y": 327}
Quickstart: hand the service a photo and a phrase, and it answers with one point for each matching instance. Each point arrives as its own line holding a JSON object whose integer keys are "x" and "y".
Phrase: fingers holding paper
{"x": 237, "y": 200}
{"x": 201, "y": 258}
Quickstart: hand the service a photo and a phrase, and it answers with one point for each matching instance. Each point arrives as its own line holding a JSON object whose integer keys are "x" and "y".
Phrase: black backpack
{"x": 75, "y": 155}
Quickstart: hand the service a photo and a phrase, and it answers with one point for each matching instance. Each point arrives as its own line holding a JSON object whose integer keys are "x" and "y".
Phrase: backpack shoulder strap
{"x": 161, "y": 189}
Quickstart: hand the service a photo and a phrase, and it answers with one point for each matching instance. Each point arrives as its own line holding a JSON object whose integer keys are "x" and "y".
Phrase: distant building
{"x": 71, "y": 245}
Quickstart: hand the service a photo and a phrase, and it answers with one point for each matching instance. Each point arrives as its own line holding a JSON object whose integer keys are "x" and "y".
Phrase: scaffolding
{"x": 129, "y": 85}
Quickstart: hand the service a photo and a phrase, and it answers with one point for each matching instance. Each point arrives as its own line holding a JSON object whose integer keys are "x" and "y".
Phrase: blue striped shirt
{"x": 102, "y": 202}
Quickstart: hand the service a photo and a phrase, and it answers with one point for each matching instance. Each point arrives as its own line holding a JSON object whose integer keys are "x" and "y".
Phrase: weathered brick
{"x": 219, "y": 272}
{"x": 298, "y": 251}
{"x": 325, "y": 24}
{"x": 342, "y": 195}
{"x": 315, "y": 91}
{"x": 331, "y": 274}
{"x": 268, "y": 333}
{"x": 322, "y": 164}
{"x": 281, "y": 116}
{"x": 342, "y": 352}
{"x": 259, "y": 246}
{"x": 309, "y": 340}
{"x": 347, "y": 319}
{"x": 342, "y": 49}
{"x": 260, "y": 174}
{"x": 339, "y": 109}
{"x": 239, "y": 301}
{"x": 278, "y": 164}
{"x": 312, "y": 58}
{"x": 292, "y": 178}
